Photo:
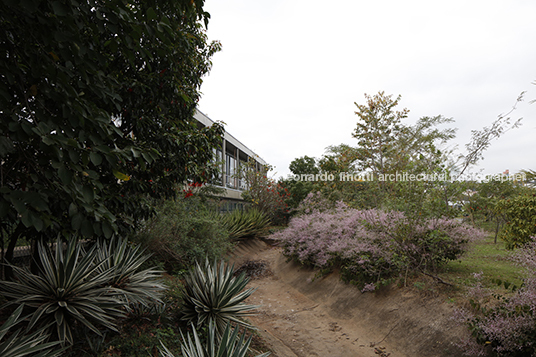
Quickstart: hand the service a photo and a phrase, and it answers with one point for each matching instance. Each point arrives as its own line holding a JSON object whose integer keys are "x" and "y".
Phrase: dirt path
{"x": 294, "y": 324}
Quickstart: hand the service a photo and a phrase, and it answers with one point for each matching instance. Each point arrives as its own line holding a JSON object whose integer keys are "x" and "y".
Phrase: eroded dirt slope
{"x": 303, "y": 316}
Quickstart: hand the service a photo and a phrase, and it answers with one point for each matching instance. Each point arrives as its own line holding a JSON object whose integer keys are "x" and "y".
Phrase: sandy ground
{"x": 295, "y": 325}
{"x": 300, "y": 315}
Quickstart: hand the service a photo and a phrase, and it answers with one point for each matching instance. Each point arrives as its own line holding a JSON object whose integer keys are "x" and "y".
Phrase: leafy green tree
{"x": 389, "y": 149}
{"x": 520, "y": 213}
{"x": 377, "y": 129}
{"x": 96, "y": 112}
{"x": 297, "y": 187}
{"x": 386, "y": 145}
{"x": 303, "y": 165}
{"x": 485, "y": 201}
{"x": 339, "y": 159}
{"x": 421, "y": 146}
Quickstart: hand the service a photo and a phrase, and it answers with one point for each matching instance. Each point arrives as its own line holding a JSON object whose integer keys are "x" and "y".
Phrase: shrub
{"x": 68, "y": 288}
{"x": 520, "y": 213}
{"x": 124, "y": 261}
{"x": 74, "y": 288}
{"x": 213, "y": 295}
{"x": 19, "y": 345}
{"x": 265, "y": 193}
{"x": 230, "y": 345}
{"x": 183, "y": 231}
{"x": 241, "y": 224}
{"x": 509, "y": 324}
{"x": 316, "y": 202}
{"x": 372, "y": 245}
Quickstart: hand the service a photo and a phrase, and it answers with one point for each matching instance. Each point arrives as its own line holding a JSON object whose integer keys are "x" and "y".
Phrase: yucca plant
{"x": 19, "y": 344}
{"x": 68, "y": 289}
{"x": 213, "y": 295}
{"x": 241, "y": 224}
{"x": 231, "y": 344}
{"x": 124, "y": 261}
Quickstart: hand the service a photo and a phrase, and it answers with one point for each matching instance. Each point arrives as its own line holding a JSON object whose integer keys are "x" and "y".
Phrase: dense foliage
{"x": 371, "y": 246}
{"x": 185, "y": 230}
{"x": 520, "y": 216}
{"x": 96, "y": 112}
{"x": 264, "y": 193}
{"x": 376, "y": 173}
{"x": 386, "y": 145}
{"x": 298, "y": 188}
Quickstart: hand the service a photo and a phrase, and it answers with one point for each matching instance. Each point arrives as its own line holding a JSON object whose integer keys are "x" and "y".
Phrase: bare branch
{"x": 481, "y": 139}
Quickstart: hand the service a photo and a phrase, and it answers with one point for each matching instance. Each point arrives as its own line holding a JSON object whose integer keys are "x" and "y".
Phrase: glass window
{"x": 230, "y": 170}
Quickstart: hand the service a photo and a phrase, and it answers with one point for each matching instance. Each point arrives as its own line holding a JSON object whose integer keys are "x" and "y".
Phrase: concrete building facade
{"x": 231, "y": 155}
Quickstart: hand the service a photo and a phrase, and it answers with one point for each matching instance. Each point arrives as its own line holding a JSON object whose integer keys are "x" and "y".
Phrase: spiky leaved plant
{"x": 241, "y": 224}
{"x": 68, "y": 289}
{"x": 214, "y": 295}
{"x": 19, "y": 345}
{"x": 132, "y": 285}
{"x": 230, "y": 345}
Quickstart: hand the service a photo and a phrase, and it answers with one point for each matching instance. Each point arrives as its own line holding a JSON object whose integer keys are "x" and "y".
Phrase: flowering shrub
{"x": 192, "y": 188}
{"x": 509, "y": 325}
{"x": 265, "y": 194}
{"x": 371, "y": 246}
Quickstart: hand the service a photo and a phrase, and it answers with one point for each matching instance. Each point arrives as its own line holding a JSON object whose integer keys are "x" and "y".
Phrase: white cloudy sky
{"x": 290, "y": 71}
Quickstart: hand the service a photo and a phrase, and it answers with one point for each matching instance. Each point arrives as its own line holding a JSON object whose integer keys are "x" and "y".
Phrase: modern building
{"x": 231, "y": 155}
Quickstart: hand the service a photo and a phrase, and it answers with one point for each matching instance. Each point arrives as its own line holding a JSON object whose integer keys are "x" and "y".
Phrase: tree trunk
{"x": 11, "y": 249}
{"x": 35, "y": 262}
{"x": 497, "y": 226}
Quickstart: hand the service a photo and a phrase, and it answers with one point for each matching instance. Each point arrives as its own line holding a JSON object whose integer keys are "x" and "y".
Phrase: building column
{"x": 224, "y": 163}
{"x": 238, "y": 168}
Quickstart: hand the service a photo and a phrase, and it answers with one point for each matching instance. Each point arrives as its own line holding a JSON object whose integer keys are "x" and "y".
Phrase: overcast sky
{"x": 290, "y": 71}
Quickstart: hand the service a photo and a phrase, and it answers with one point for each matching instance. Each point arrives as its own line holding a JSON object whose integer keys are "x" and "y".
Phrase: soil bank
{"x": 300, "y": 315}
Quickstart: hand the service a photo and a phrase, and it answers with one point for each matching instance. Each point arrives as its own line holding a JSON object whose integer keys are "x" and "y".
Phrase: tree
{"x": 304, "y": 165}
{"x": 263, "y": 192}
{"x": 386, "y": 145}
{"x": 481, "y": 139}
{"x": 96, "y": 106}
{"x": 299, "y": 186}
{"x": 421, "y": 147}
{"x": 339, "y": 159}
{"x": 486, "y": 198}
{"x": 389, "y": 149}
{"x": 520, "y": 214}
{"x": 377, "y": 129}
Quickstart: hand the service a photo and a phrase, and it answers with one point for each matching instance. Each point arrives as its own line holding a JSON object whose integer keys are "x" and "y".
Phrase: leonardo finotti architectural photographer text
{"x": 404, "y": 176}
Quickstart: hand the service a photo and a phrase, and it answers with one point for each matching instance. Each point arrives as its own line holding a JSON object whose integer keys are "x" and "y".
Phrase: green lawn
{"x": 487, "y": 257}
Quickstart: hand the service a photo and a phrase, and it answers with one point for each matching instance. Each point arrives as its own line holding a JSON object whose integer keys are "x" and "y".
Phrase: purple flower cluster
{"x": 510, "y": 326}
{"x": 371, "y": 244}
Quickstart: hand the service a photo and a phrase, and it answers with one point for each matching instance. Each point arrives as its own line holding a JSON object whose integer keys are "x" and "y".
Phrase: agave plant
{"x": 230, "y": 345}
{"x": 241, "y": 224}
{"x": 123, "y": 261}
{"x": 68, "y": 289}
{"x": 214, "y": 296}
{"x": 19, "y": 345}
